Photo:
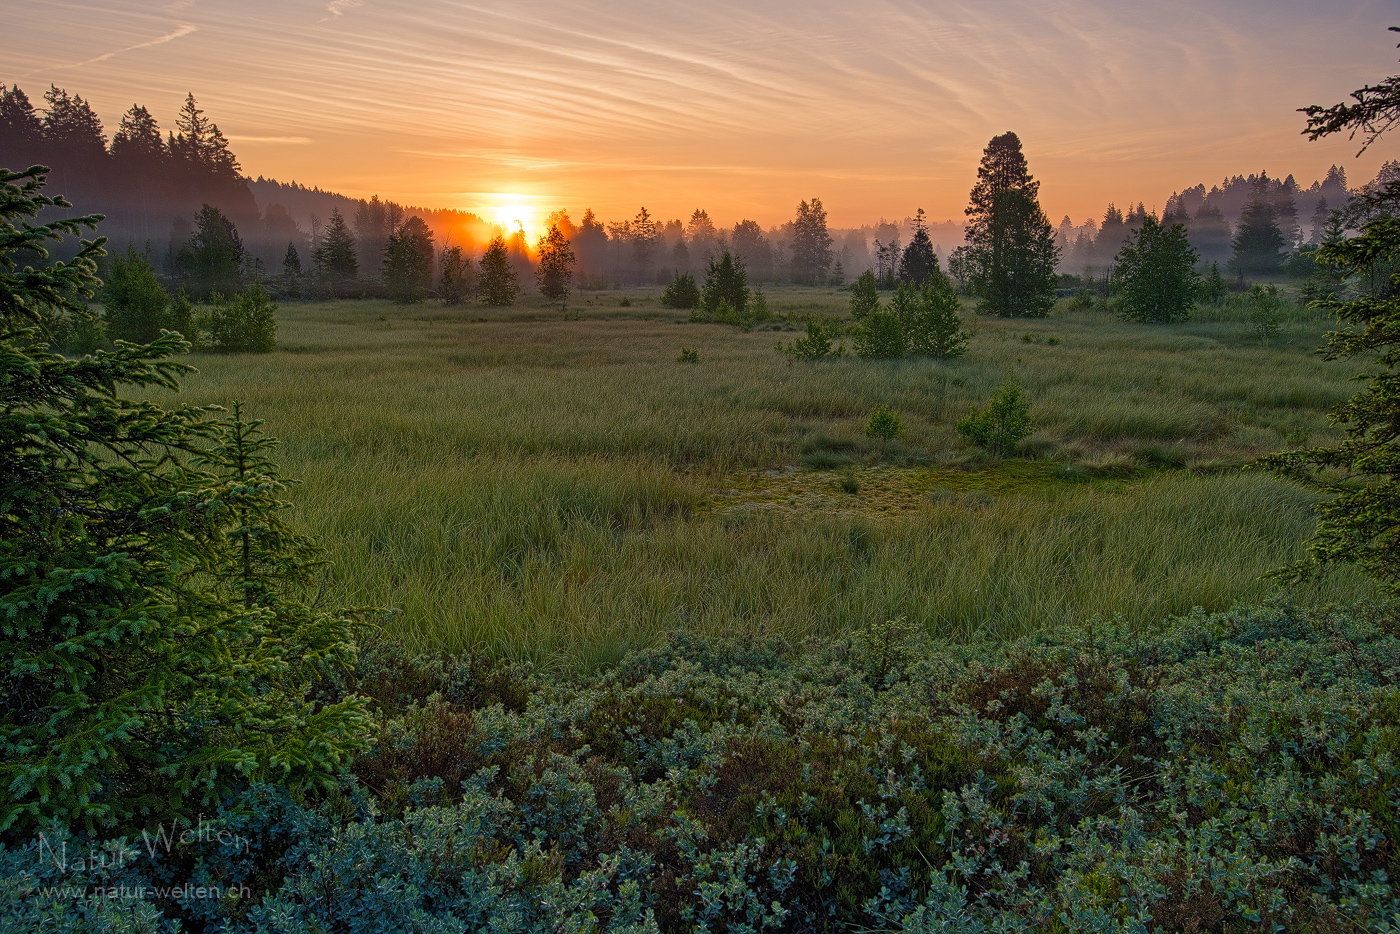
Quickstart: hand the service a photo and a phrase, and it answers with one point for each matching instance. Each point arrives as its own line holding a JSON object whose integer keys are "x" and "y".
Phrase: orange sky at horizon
{"x": 878, "y": 108}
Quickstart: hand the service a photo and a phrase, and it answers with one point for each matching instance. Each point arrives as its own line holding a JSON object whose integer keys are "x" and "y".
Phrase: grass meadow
{"x": 560, "y": 488}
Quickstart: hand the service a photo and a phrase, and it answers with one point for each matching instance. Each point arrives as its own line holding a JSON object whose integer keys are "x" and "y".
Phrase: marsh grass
{"x": 560, "y": 490}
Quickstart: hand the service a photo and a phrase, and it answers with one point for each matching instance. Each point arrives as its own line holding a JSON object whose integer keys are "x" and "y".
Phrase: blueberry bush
{"x": 1232, "y": 772}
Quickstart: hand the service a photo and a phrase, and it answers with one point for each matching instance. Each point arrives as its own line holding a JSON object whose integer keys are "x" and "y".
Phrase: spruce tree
{"x": 408, "y": 262}
{"x": 454, "y": 276}
{"x": 1258, "y": 244}
{"x": 1011, "y": 253}
{"x": 726, "y": 282}
{"x": 1156, "y": 273}
{"x": 644, "y": 237}
{"x": 158, "y": 650}
{"x": 1361, "y": 522}
{"x": 681, "y": 292}
{"x": 919, "y": 262}
{"x": 291, "y": 271}
{"x": 335, "y": 257}
{"x": 811, "y": 243}
{"x": 212, "y": 260}
{"x": 135, "y": 306}
{"x": 555, "y": 271}
{"x": 1213, "y": 289}
{"x": 497, "y": 282}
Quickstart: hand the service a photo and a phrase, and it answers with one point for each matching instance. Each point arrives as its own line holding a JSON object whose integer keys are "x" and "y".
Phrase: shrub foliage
{"x": 1003, "y": 424}
{"x": 1091, "y": 780}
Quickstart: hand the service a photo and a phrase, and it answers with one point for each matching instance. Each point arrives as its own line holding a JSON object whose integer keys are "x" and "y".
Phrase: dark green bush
{"x": 136, "y": 307}
{"x": 681, "y": 292}
{"x": 246, "y": 323}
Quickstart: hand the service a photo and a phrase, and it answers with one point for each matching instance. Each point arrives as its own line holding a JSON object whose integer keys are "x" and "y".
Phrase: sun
{"x": 512, "y": 214}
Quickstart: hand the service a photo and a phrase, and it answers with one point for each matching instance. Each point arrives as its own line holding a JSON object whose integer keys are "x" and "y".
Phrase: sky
{"x": 877, "y": 107}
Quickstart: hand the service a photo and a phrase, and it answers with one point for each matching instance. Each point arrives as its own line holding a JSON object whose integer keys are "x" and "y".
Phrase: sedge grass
{"x": 553, "y": 489}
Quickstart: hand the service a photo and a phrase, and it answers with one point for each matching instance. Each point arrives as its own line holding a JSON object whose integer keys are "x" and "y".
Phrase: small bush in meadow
{"x": 689, "y": 355}
{"x": 1005, "y": 422}
{"x": 880, "y": 336}
{"x": 1265, "y": 311}
{"x": 246, "y": 323}
{"x": 884, "y": 423}
{"x": 682, "y": 292}
{"x": 818, "y": 342}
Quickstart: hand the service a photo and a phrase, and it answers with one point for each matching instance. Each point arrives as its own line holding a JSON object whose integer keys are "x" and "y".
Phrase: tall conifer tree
{"x": 1011, "y": 253}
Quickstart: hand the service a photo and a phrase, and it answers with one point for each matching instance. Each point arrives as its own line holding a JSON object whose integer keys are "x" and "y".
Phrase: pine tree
{"x": 811, "y": 243}
{"x": 371, "y": 232}
{"x": 335, "y": 257}
{"x": 1210, "y": 233}
{"x": 919, "y": 262}
{"x": 1011, "y": 253}
{"x": 143, "y": 677}
{"x": 1319, "y": 222}
{"x": 1156, "y": 273}
{"x": 454, "y": 276}
{"x": 644, "y": 238}
{"x": 497, "y": 282}
{"x": 21, "y": 129}
{"x": 555, "y": 271}
{"x": 137, "y": 143}
{"x": 1361, "y": 522}
{"x": 71, "y": 125}
{"x": 202, "y": 146}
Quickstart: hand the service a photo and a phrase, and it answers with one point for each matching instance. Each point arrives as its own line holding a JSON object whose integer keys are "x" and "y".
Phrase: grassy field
{"x": 563, "y": 489}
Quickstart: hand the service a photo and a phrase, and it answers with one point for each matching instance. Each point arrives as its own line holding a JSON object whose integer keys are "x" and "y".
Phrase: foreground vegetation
{"x": 1086, "y": 779}
{"x": 561, "y": 489}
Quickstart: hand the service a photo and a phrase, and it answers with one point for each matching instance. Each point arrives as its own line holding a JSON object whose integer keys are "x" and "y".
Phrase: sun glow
{"x": 513, "y": 213}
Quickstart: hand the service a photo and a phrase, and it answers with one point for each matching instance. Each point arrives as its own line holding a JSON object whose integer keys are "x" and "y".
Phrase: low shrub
{"x": 1096, "y": 779}
{"x": 689, "y": 355}
{"x": 1005, "y": 423}
{"x": 246, "y": 323}
{"x": 818, "y": 343}
{"x": 880, "y": 336}
{"x": 884, "y": 423}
